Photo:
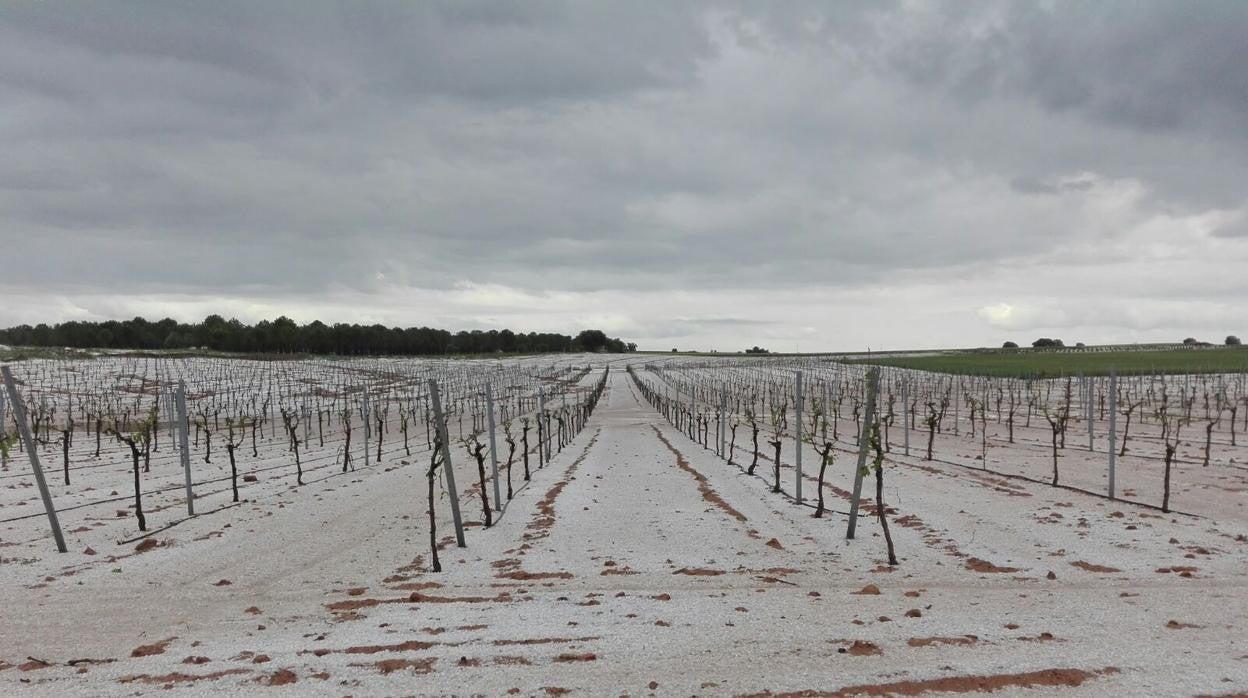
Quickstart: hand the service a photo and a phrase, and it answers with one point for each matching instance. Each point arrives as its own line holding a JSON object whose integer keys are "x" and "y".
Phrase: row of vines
{"x": 1150, "y": 440}
{"x": 107, "y": 430}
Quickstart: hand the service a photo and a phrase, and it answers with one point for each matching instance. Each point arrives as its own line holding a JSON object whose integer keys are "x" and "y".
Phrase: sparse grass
{"x": 1039, "y": 364}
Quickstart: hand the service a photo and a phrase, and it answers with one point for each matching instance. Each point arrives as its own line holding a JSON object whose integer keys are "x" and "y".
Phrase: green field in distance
{"x": 1047, "y": 363}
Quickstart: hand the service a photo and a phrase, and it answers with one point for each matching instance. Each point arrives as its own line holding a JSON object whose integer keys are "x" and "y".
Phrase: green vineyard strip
{"x": 1045, "y": 364}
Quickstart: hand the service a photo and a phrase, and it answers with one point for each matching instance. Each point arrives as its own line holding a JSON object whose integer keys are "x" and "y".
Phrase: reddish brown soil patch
{"x": 546, "y": 640}
{"x": 468, "y": 662}
{"x": 154, "y": 648}
{"x": 83, "y": 663}
{"x": 414, "y": 597}
{"x": 956, "y": 684}
{"x": 178, "y": 677}
{"x": 1090, "y": 567}
{"x": 356, "y": 604}
{"x": 862, "y": 648}
{"x": 281, "y": 677}
{"x": 146, "y": 545}
{"x": 556, "y": 691}
{"x": 977, "y": 565}
{"x": 416, "y": 586}
{"x": 33, "y": 664}
{"x": 708, "y": 493}
{"x": 471, "y": 627}
{"x": 1042, "y": 637}
{"x": 418, "y": 666}
{"x": 196, "y": 660}
{"x": 573, "y": 657}
{"x": 868, "y": 590}
{"x": 1176, "y": 625}
{"x": 618, "y": 571}
{"x": 508, "y": 660}
{"x": 417, "y": 597}
{"x": 926, "y": 641}
{"x": 698, "y": 572}
{"x": 505, "y": 565}
{"x": 416, "y": 565}
{"x": 523, "y": 576}
{"x": 408, "y": 646}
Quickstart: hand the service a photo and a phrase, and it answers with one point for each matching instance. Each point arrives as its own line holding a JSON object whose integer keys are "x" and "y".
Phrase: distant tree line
{"x": 1230, "y": 341}
{"x": 1048, "y": 343}
{"x": 285, "y": 336}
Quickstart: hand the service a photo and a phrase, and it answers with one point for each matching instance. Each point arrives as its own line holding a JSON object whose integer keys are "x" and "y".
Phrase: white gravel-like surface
{"x": 615, "y": 571}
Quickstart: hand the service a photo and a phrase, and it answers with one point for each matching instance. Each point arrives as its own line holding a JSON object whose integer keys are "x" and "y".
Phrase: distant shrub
{"x": 1045, "y": 343}
{"x": 1010, "y": 345}
{"x": 757, "y": 350}
{"x": 1232, "y": 341}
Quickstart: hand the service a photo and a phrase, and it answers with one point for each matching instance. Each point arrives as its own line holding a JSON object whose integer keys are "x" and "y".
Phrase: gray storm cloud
{"x": 710, "y": 174}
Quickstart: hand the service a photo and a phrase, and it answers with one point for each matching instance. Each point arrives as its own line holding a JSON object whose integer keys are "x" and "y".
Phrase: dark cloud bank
{"x": 805, "y": 175}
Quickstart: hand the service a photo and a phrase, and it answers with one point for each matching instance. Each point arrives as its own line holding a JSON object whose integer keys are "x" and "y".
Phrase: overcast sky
{"x": 803, "y": 176}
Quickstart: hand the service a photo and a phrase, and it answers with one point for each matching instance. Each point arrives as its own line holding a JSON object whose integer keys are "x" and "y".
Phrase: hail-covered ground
{"x": 635, "y": 562}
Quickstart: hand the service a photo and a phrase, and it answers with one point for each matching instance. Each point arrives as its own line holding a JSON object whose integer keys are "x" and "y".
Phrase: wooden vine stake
{"x": 1113, "y": 429}
{"x": 23, "y": 429}
{"x": 905, "y": 412}
{"x": 723, "y": 429}
{"x": 489, "y": 399}
{"x": 797, "y": 438}
{"x": 184, "y": 451}
{"x": 448, "y": 473}
{"x": 868, "y": 418}
{"x": 364, "y": 413}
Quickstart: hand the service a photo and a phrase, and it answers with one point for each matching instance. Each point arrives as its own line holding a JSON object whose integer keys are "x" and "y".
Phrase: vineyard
{"x": 581, "y": 523}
